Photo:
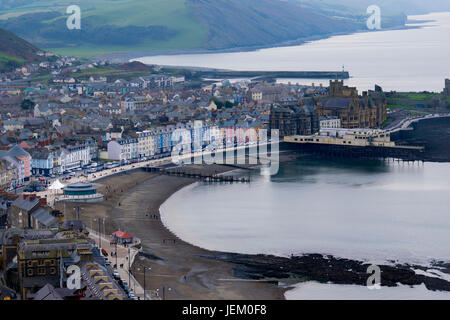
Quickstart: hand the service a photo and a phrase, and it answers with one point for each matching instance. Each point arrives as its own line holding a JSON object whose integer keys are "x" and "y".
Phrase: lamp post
{"x": 164, "y": 291}
{"x": 116, "y": 253}
{"x": 129, "y": 269}
{"x": 99, "y": 237}
{"x": 99, "y": 220}
{"x": 145, "y": 296}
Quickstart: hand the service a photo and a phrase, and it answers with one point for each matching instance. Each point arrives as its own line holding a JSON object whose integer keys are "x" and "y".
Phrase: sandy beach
{"x": 132, "y": 202}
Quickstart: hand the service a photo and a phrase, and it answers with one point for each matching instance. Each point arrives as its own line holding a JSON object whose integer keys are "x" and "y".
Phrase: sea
{"x": 375, "y": 211}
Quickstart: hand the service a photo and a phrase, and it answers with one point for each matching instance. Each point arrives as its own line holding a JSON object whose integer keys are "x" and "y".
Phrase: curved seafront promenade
{"x": 132, "y": 202}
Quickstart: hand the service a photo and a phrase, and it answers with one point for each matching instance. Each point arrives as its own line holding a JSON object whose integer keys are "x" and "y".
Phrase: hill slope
{"x": 145, "y": 25}
{"x": 15, "y": 51}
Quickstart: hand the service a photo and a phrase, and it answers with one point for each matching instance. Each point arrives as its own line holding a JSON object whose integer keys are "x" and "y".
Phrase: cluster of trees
{"x": 9, "y": 65}
{"x": 221, "y": 104}
{"x": 27, "y": 104}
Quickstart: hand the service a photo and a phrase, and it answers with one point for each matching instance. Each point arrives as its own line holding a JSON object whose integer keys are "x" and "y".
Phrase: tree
{"x": 27, "y": 104}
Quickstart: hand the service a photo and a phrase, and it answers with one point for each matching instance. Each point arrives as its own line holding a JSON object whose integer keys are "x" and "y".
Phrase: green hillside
{"x": 15, "y": 51}
{"x": 109, "y": 26}
{"x": 8, "y": 63}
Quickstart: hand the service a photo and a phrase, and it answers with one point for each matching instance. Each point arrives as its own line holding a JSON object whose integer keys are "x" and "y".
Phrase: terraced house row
{"x": 193, "y": 136}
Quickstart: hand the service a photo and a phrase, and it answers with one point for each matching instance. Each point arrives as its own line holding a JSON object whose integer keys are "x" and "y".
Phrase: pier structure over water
{"x": 356, "y": 143}
{"x": 181, "y": 172}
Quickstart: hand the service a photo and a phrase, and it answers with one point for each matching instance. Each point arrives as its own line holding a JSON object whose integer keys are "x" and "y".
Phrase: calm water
{"x": 374, "y": 211}
{"x": 402, "y": 60}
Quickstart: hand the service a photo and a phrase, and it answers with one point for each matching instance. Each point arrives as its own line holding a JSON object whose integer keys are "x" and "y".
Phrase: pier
{"x": 181, "y": 172}
{"x": 356, "y": 143}
{"x": 400, "y": 153}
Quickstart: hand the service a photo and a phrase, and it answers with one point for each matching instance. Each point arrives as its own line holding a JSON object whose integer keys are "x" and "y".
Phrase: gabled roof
{"x": 24, "y": 203}
{"x": 48, "y": 292}
{"x": 44, "y": 216}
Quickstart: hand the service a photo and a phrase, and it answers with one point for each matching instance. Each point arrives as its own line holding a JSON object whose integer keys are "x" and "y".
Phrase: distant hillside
{"x": 245, "y": 23}
{"x": 172, "y": 25}
{"x": 388, "y": 7}
{"x": 15, "y": 51}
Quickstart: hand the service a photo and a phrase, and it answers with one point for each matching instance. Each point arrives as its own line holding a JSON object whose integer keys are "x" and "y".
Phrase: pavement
{"x": 125, "y": 258}
{"x": 51, "y": 195}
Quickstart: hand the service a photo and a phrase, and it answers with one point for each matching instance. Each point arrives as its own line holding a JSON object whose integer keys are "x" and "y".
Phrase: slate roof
{"x": 336, "y": 102}
{"x": 44, "y": 216}
{"x": 25, "y": 204}
{"x": 15, "y": 151}
{"x": 48, "y": 292}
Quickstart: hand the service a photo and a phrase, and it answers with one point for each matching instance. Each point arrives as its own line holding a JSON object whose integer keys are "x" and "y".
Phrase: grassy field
{"x": 6, "y": 58}
{"x": 173, "y": 14}
{"x": 110, "y": 72}
{"x": 8, "y": 61}
{"x": 419, "y": 96}
{"x": 401, "y": 106}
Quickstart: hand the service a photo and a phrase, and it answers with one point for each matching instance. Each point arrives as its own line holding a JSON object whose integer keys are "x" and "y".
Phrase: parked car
{"x": 116, "y": 275}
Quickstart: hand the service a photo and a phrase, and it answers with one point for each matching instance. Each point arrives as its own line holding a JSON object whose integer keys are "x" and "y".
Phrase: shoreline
{"x": 124, "y": 57}
{"x": 190, "y": 272}
{"x": 176, "y": 264}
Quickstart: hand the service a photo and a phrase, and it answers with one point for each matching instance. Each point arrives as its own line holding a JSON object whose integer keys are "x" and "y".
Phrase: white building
{"x": 74, "y": 157}
{"x": 128, "y": 105}
{"x": 330, "y": 123}
{"x": 123, "y": 149}
{"x": 146, "y": 143}
{"x": 113, "y": 136}
{"x": 12, "y": 125}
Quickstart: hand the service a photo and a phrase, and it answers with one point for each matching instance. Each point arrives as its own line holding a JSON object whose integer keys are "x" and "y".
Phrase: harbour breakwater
{"x": 272, "y": 74}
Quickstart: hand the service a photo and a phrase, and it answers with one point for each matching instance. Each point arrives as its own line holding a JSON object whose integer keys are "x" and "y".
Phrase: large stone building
{"x": 354, "y": 111}
{"x": 45, "y": 261}
{"x": 294, "y": 120}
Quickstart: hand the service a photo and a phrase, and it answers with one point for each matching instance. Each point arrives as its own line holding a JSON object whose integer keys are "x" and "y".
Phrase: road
{"x": 123, "y": 261}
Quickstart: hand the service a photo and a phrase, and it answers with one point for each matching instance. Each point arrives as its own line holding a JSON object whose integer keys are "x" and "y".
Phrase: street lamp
{"x": 145, "y": 296}
{"x": 164, "y": 291}
{"x": 99, "y": 220}
{"x": 77, "y": 210}
{"x": 129, "y": 269}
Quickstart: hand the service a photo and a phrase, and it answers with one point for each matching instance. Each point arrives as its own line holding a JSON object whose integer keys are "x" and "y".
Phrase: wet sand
{"x": 132, "y": 203}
